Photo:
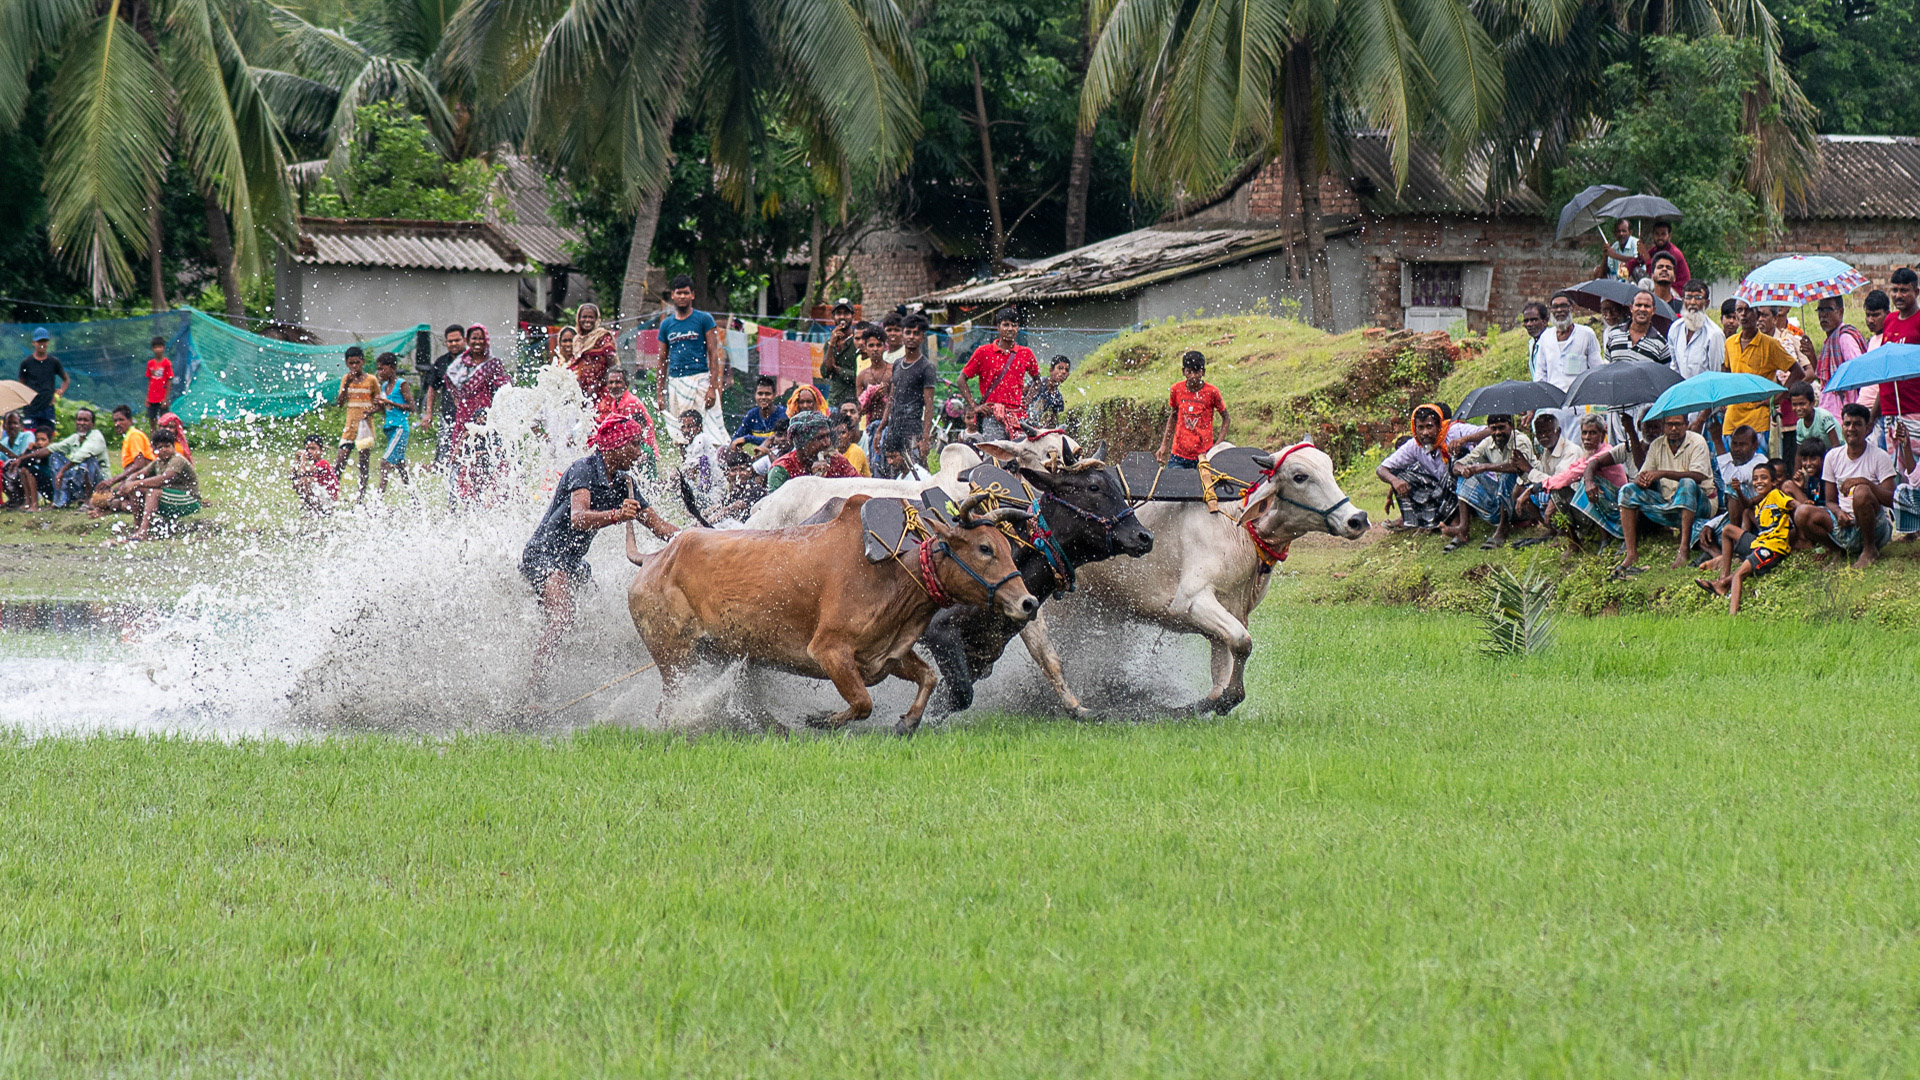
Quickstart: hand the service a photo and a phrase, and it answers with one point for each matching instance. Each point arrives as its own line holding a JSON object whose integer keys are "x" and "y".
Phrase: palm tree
{"x": 1226, "y": 80}
{"x": 605, "y": 81}
{"x": 139, "y": 83}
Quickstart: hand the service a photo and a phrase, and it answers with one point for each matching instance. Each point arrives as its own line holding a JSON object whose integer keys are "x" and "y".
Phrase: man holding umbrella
{"x": 1901, "y": 399}
{"x": 1755, "y": 353}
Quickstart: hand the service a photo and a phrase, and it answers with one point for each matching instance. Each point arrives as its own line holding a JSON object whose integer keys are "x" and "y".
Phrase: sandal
{"x": 1454, "y": 545}
{"x": 1490, "y": 543}
{"x": 1532, "y": 540}
{"x": 1707, "y": 586}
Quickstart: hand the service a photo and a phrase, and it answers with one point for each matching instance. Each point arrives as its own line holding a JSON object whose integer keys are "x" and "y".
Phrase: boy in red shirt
{"x": 1002, "y": 366}
{"x": 159, "y": 380}
{"x": 1190, "y": 426}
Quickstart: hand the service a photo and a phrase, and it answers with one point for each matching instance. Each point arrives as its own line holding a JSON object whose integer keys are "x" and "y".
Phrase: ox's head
{"x": 979, "y": 568}
{"x": 1299, "y": 497}
{"x": 1088, "y": 511}
{"x": 1044, "y": 450}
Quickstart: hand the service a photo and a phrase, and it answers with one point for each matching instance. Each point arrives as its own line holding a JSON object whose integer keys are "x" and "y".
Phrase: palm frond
{"x": 1519, "y": 616}
{"x": 28, "y": 31}
{"x": 107, "y": 140}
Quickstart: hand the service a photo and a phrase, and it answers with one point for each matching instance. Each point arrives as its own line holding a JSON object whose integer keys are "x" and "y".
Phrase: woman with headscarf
{"x": 593, "y": 352}
{"x": 563, "y": 347}
{"x": 1420, "y": 474}
{"x": 805, "y": 398}
{"x": 472, "y": 380}
{"x": 171, "y": 422}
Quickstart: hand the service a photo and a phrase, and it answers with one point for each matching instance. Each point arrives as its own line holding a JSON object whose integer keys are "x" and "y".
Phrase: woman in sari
{"x": 806, "y": 398}
{"x": 593, "y": 352}
{"x": 1421, "y": 476}
{"x": 473, "y": 380}
{"x": 171, "y": 422}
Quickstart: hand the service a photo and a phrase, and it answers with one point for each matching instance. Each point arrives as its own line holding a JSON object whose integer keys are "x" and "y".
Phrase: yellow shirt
{"x": 1762, "y": 356}
{"x": 858, "y": 459}
{"x": 135, "y": 447}
{"x": 1772, "y": 519}
{"x": 360, "y": 395}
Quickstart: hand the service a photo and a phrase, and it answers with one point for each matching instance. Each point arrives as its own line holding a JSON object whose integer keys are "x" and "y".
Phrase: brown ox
{"x": 805, "y": 599}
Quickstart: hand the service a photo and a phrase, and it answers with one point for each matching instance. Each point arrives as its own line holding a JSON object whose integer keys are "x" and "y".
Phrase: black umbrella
{"x": 1580, "y": 213}
{"x": 1639, "y": 206}
{"x": 1629, "y": 382}
{"x": 1513, "y": 397}
{"x": 1588, "y": 294}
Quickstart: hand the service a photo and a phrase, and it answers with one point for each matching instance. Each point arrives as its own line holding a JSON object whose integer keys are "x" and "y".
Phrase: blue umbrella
{"x": 1711, "y": 390}
{"x": 1888, "y": 363}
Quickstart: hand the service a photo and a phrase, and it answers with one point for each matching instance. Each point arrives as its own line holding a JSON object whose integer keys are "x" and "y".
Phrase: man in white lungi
{"x": 692, "y": 362}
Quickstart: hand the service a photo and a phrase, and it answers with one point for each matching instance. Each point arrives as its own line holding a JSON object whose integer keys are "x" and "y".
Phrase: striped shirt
{"x": 1652, "y": 346}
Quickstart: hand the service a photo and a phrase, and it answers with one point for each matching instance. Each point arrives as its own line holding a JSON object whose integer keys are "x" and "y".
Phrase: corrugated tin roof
{"x": 1430, "y": 188}
{"x": 409, "y": 245}
{"x": 1117, "y": 265}
{"x": 1863, "y": 176}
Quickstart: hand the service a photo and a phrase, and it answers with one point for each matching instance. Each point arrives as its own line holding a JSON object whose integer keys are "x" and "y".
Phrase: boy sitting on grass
{"x": 313, "y": 477}
{"x": 1762, "y": 547}
{"x": 171, "y": 488}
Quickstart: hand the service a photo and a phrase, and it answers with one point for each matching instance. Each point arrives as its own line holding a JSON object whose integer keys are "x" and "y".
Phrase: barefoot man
{"x": 592, "y": 494}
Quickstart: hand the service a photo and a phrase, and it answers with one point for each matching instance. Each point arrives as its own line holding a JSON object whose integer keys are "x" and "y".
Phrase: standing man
{"x": 693, "y": 361}
{"x": 159, "y": 380}
{"x": 878, "y": 372}
{"x": 1636, "y": 338}
{"x": 840, "y": 364}
{"x": 1663, "y": 287}
{"x": 1569, "y": 348}
{"x": 1002, "y": 367}
{"x": 1754, "y": 353}
{"x": 910, "y": 403}
{"x": 43, "y": 375}
{"x": 1543, "y": 353}
{"x": 1843, "y": 342}
{"x": 436, "y": 412}
{"x": 1900, "y": 400}
{"x": 1697, "y": 345}
{"x": 894, "y": 327}
{"x": 1660, "y": 242}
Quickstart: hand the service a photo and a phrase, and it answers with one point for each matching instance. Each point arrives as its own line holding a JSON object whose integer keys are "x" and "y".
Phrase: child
{"x": 357, "y": 392}
{"x": 843, "y": 432}
{"x": 159, "y": 380}
{"x": 758, "y": 423}
{"x": 1763, "y": 547}
{"x": 744, "y": 486}
{"x": 170, "y": 487}
{"x": 398, "y": 402}
{"x": 313, "y": 477}
{"x": 1191, "y": 405}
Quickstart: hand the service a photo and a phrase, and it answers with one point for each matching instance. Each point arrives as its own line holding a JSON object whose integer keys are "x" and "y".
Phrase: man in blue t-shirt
{"x": 690, "y": 344}
{"x": 757, "y": 426}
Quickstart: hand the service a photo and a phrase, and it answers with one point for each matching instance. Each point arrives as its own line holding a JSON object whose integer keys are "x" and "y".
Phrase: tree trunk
{"x": 1299, "y": 118}
{"x": 1080, "y": 165}
{"x": 222, "y": 243}
{"x": 158, "y": 286}
{"x": 987, "y": 174}
{"x": 634, "y": 301}
{"x": 702, "y": 275}
{"x": 816, "y": 258}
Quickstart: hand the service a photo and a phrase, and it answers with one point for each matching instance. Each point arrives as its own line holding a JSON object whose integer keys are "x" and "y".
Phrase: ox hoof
{"x": 906, "y": 727}
{"x": 1226, "y": 703}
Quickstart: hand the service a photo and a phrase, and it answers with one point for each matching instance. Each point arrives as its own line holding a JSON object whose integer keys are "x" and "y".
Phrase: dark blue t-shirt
{"x": 686, "y": 343}
{"x": 556, "y": 544}
{"x": 756, "y": 427}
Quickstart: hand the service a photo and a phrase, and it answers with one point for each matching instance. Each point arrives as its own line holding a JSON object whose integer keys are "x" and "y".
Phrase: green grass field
{"x": 1670, "y": 846}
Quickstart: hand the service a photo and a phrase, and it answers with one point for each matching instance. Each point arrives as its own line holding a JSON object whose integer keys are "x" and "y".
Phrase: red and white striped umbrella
{"x": 1799, "y": 279}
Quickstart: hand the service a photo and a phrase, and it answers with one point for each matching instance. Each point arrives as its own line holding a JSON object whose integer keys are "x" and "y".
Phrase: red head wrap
{"x": 615, "y": 432}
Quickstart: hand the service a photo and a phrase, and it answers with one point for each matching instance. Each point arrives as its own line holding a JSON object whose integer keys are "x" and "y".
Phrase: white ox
{"x": 798, "y": 499}
{"x": 1205, "y": 575}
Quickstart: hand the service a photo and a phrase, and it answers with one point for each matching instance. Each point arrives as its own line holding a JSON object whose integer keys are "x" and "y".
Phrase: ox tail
{"x": 633, "y": 548}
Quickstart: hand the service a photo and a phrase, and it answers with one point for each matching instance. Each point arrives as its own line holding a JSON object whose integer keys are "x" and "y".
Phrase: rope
{"x": 595, "y": 690}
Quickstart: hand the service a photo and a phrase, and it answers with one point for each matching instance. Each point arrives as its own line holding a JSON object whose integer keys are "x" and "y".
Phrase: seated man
{"x": 812, "y": 454}
{"x": 1568, "y": 489}
{"x": 1734, "y": 474}
{"x": 170, "y": 487}
{"x": 1858, "y": 479}
{"x": 701, "y": 453}
{"x": 745, "y": 488}
{"x": 1674, "y": 490}
{"x": 1420, "y": 477}
{"x": 79, "y": 461}
{"x": 136, "y": 451}
{"x": 1489, "y": 475}
{"x": 1532, "y": 503}
{"x": 1906, "y": 495}
{"x": 19, "y": 486}
{"x": 757, "y": 425}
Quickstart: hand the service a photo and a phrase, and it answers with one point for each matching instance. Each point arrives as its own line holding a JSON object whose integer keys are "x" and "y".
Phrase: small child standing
{"x": 1763, "y": 547}
{"x": 159, "y": 381}
{"x": 1191, "y": 405}
{"x": 397, "y": 425}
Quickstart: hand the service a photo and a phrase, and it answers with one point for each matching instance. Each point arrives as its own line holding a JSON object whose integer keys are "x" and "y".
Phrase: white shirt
{"x": 1554, "y": 459}
{"x": 1562, "y": 361}
{"x": 1706, "y": 350}
{"x": 1874, "y": 464}
{"x": 1738, "y": 477}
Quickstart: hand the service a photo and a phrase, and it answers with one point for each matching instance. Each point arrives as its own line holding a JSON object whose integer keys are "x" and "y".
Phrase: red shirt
{"x": 159, "y": 378}
{"x": 1193, "y": 433}
{"x": 1900, "y": 398}
{"x": 1002, "y": 374}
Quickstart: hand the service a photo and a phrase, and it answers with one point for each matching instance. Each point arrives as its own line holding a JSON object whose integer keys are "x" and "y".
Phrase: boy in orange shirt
{"x": 1192, "y": 403}
{"x": 358, "y": 392}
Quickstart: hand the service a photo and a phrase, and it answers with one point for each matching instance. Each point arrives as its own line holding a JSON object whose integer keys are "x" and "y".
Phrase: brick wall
{"x": 894, "y": 266}
{"x": 1265, "y": 202}
{"x": 1528, "y": 264}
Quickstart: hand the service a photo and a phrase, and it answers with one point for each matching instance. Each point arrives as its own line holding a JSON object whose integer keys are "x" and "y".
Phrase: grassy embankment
{"x": 1629, "y": 856}
{"x": 1281, "y": 378}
